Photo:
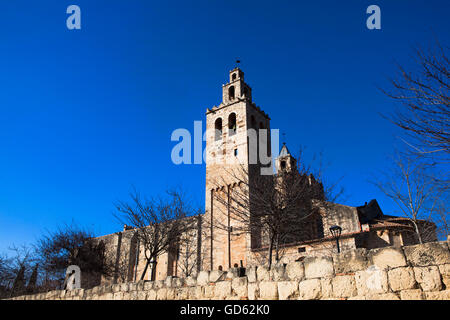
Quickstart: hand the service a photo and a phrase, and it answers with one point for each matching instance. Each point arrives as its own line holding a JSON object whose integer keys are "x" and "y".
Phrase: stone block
{"x": 438, "y": 295}
{"x": 195, "y": 293}
{"x": 208, "y": 291}
{"x": 170, "y": 293}
{"x": 327, "y": 288}
{"x": 140, "y": 285}
{"x": 239, "y": 287}
{"x": 126, "y": 296}
{"x": 133, "y": 295}
{"x": 350, "y": 261}
{"x": 106, "y": 296}
{"x": 401, "y": 279}
{"x": 428, "y": 278}
{"x": 287, "y": 290}
{"x": 123, "y": 288}
{"x": 203, "y": 278}
{"x": 222, "y": 290}
{"x": 253, "y": 291}
{"x": 444, "y": 270}
{"x": 182, "y": 293}
{"x": 168, "y": 282}
{"x": 161, "y": 294}
{"x": 309, "y": 289}
{"x": 262, "y": 273}
{"x": 344, "y": 286}
{"x": 387, "y": 258}
{"x": 251, "y": 274}
{"x": 427, "y": 254}
{"x": 371, "y": 281}
{"x": 116, "y": 287}
{"x": 141, "y": 295}
{"x": 132, "y": 287}
{"x": 295, "y": 271}
{"x": 159, "y": 284}
{"x": 268, "y": 290}
{"x": 151, "y": 294}
{"x": 148, "y": 285}
{"x": 383, "y": 296}
{"x": 277, "y": 272}
{"x": 117, "y": 296}
{"x": 411, "y": 294}
{"x": 318, "y": 267}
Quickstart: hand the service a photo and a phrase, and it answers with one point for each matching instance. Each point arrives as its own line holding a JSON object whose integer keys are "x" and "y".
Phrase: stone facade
{"x": 386, "y": 274}
{"x": 229, "y": 146}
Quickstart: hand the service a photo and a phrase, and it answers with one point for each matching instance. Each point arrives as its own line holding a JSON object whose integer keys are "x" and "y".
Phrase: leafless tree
{"x": 16, "y": 269}
{"x": 417, "y": 196}
{"x": 424, "y": 112}
{"x": 6, "y": 274}
{"x": 442, "y": 217}
{"x": 159, "y": 223}
{"x": 71, "y": 245}
{"x": 189, "y": 257}
{"x": 275, "y": 209}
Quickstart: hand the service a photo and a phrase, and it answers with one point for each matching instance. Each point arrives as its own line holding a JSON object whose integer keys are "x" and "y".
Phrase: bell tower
{"x": 228, "y": 150}
{"x": 285, "y": 161}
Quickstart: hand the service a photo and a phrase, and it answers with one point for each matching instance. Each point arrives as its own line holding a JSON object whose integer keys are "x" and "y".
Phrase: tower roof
{"x": 284, "y": 151}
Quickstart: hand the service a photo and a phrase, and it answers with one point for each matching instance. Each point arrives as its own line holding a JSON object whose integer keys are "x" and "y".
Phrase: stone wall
{"x": 412, "y": 272}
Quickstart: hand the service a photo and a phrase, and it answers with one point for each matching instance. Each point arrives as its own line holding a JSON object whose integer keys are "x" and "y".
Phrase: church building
{"x": 234, "y": 144}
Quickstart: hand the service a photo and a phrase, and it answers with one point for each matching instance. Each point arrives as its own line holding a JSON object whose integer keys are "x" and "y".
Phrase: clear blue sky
{"x": 86, "y": 114}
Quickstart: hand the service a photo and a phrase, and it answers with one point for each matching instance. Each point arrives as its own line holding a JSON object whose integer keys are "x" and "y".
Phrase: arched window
{"x": 232, "y": 124}
{"x": 233, "y": 77}
{"x": 218, "y": 129}
{"x": 220, "y": 268}
{"x": 231, "y": 93}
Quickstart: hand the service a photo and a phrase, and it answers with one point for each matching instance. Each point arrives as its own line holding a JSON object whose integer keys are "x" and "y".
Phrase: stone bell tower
{"x": 229, "y": 148}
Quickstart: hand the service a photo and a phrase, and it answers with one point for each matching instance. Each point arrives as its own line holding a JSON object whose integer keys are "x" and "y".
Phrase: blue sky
{"x": 86, "y": 114}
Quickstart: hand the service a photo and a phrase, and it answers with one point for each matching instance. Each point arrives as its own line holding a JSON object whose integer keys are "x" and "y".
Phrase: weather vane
{"x": 284, "y": 137}
{"x": 238, "y": 61}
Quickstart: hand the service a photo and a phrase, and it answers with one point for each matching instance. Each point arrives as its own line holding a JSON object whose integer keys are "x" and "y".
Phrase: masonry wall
{"x": 407, "y": 273}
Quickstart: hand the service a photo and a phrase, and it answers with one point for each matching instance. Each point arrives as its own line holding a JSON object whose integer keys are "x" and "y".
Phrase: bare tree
{"x": 409, "y": 185}
{"x": 159, "y": 223}
{"x": 18, "y": 269}
{"x": 191, "y": 252}
{"x": 275, "y": 209}
{"x": 424, "y": 112}
{"x": 71, "y": 245}
{"x": 6, "y": 274}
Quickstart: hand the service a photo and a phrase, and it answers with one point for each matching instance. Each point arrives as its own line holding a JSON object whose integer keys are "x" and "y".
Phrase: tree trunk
{"x": 145, "y": 269}
{"x": 153, "y": 276}
{"x": 416, "y": 227}
{"x": 277, "y": 255}
{"x": 270, "y": 253}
